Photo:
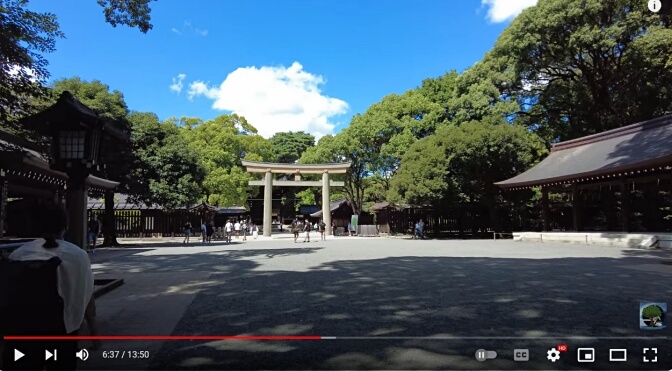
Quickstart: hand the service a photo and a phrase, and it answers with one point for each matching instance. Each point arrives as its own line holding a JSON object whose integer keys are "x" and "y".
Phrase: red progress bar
{"x": 163, "y": 337}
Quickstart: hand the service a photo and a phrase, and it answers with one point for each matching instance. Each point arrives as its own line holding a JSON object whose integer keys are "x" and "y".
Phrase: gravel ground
{"x": 401, "y": 304}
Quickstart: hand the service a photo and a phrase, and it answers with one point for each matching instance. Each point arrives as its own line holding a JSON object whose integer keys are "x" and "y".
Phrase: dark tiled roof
{"x": 68, "y": 106}
{"x": 333, "y": 206}
{"x": 644, "y": 145}
{"x": 232, "y": 210}
{"x": 379, "y": 206}
{"x": 308, "y": 209}
{"x": 121, "y": 203}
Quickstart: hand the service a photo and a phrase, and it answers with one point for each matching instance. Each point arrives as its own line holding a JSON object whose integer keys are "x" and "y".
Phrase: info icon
{"x": 652, "y": 316}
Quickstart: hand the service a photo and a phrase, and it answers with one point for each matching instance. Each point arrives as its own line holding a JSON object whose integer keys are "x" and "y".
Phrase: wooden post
{"x": 625, "y": 206}
{"x": 545, "y": 209}
{"x": 576, "y": 207}
{"x": 3, "y": 205}
{"x": 76, "y": 203}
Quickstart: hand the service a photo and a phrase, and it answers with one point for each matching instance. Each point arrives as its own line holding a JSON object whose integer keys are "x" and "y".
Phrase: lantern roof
{"x": 69, "y": 109}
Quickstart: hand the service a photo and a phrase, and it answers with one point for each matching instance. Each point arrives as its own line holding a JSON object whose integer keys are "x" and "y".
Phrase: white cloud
{"x": 177, "y": 85}
{"x": 275, "y": 99}
{"x": 188, "y": 27}
{"x": 504, "y": 10}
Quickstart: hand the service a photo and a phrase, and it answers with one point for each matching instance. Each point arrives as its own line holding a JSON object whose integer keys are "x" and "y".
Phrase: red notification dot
{"x": 562, "y": 348}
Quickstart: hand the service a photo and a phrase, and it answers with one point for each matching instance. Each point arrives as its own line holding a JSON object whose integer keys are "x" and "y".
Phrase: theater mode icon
{"x": 652, "y": 316}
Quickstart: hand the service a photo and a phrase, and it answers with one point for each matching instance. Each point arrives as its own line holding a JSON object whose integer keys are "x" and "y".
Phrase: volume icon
{"x": 82, "y": 354}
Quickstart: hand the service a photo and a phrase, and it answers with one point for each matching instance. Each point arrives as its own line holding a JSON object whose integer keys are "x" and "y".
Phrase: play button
{"x": 17, "y": 355}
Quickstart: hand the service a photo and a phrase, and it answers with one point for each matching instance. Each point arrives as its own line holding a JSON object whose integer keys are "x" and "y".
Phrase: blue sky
{"x": 284, "y": 65}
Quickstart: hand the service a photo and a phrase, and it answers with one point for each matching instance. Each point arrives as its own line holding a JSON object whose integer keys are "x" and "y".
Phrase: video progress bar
{"x": 295, "y": 338}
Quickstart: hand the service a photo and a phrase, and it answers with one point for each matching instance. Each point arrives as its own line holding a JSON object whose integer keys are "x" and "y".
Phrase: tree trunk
{"x": 109, "y": 222}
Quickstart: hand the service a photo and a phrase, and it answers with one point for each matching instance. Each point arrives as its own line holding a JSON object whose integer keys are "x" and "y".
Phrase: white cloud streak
{"x": 188, "y": 27}
{"x": 275, "y": 99}
{"x": 504, "y": 10}
{"x": 177, "y": 84}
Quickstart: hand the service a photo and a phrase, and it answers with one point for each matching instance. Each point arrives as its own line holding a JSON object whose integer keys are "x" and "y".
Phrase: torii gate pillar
{"x": 326, "y": 211}
{"x": 268, "y": 203}
{"x": 297, "y": 169}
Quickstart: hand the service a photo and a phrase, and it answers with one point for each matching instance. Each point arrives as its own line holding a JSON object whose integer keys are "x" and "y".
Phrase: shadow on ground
{"x": 492, "y": 303}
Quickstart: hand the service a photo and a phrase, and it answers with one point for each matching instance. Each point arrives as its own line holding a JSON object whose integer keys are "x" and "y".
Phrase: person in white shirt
{"x": 75, "y": 279}
{"x": 237, "y": 229}
{"x": 228, "y": 228}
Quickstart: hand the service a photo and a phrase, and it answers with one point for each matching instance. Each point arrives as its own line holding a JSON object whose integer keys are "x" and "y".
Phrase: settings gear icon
{"x": 553, "y": 355}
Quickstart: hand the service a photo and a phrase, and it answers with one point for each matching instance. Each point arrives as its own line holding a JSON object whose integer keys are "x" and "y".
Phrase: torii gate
{"x": 269, "y": 168}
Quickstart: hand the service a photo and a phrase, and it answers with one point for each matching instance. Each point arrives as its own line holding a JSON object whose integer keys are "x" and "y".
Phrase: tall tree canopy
{"x": 221, "y": 144}
{"x": 27, "y": 36}
{"x": 167, "y": 169}
{"x": 462, "y": 163}
{"x": 586, "y": 66}
{"x": 287, "y": 147}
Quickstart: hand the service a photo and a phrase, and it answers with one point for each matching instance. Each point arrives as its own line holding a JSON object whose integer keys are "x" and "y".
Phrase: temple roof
{"x": 21, "y": 156}
{"x": 333, "y": 206}
{"x": 639, "y": 147}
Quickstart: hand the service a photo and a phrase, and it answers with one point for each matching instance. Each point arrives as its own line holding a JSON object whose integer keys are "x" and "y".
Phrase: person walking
{"x": 306, "y": 230}
{"x": 75, "y": 290}
{"x": 321, "y": 226}
{"x": 255, "y": 231}
{"x": 228, "y": 229}
{"x": 236, "y": 228}
{"x": 421, "y": 229}
{"x": 209, "y": 231}
{"x": 187, "y": 232}
{"x": 244, "y": 228}
{"x": 296, "y": 228}
{"x": 93, "y": 232}
{"x": 204, "y": 232}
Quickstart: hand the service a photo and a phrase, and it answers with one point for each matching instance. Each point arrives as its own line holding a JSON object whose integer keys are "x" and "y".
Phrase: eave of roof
{"x": 333, "y": 206}
{"x": 613, "y": 153}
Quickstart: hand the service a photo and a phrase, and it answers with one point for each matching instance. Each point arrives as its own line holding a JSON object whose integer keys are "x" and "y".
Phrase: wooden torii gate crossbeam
{"x": 269, "y": 168}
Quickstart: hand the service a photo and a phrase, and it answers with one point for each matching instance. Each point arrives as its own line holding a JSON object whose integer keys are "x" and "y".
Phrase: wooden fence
{"x": 468, "y": 221}
{"x": 151, "y": 222}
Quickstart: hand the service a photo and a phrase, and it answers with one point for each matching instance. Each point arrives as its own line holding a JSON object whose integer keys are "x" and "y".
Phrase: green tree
{"x": 168, "y": 171}
{"x": 221, "y": 144}
{"x": 27, "y": 36}
{"x": 132, "y": 13}
{"x": 339, "y": 148}
{"x": 287, "y": 147}
{"x": 462, "y": 163}
{"x": 440, "y": 90}
{"x": 586, "y": 66}
{"x": 483, "y": 93}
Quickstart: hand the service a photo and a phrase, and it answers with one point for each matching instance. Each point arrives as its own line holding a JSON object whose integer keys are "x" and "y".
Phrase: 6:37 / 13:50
{"x": 121, "y": 354}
